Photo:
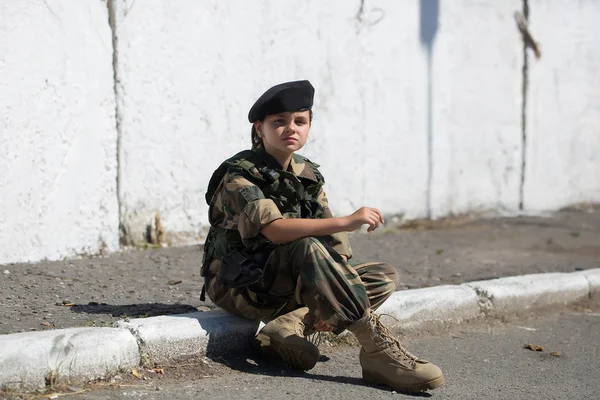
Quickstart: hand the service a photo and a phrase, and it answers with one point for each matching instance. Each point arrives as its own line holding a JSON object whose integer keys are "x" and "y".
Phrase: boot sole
{"x": 292, "y": 356}
{"x": 412, "y": 388}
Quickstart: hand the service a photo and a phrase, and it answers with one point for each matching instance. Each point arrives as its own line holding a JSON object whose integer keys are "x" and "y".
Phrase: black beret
{"x": 289, "y": 96}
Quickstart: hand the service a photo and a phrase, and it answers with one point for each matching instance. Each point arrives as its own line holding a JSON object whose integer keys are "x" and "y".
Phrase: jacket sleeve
{"x": 339, "y": 241}
{"x": 245, "y": 207}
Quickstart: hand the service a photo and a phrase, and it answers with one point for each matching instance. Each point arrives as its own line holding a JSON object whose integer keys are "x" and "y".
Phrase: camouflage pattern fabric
{"x": 249, "y": 191}
{"x": 308, "y": 272}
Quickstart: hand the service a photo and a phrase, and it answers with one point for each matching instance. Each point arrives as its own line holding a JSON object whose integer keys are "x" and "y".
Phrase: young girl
{"x": 275, "y": 252}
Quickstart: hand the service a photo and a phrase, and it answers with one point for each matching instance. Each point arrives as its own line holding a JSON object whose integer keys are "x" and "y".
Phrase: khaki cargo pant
{"x": 307, "y": 272}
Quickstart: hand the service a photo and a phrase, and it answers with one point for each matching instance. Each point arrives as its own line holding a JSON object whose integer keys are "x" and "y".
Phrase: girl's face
{"x": 284, "y": 133}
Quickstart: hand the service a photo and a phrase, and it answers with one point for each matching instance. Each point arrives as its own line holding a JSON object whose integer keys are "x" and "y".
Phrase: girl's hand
{"x": 364, "y": 216}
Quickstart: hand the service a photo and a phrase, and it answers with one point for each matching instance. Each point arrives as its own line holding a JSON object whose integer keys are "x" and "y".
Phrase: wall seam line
{"x": 112, "y": 21}
{"x": 525, "y": 84}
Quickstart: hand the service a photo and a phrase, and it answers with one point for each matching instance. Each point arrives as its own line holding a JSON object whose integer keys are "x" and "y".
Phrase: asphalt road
{"x": 482, "y": 362}
{"x": 98, "y": 291}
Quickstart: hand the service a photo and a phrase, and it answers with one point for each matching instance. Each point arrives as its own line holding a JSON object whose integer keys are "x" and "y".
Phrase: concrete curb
{"x": 76, "y": 354}
{"x": 189, "y": 335}
{"x": 28, "y": 360}
{"x": 525, "y": 292}
{"x": 593, "y": 277}
{"x": 439, "y": 305}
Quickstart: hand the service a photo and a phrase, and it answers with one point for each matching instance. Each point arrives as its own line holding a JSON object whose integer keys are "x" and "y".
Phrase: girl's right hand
{"x": 364, "y": 216}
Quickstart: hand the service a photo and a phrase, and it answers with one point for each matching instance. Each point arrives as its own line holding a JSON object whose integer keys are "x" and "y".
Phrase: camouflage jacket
{"x": 250, "y": 190}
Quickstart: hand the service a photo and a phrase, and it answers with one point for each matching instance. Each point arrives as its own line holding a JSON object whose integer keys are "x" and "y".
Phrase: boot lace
{"x": 388, "y": 338}
{"x": 309, "y": 331}
{"x": 309, "y": 322}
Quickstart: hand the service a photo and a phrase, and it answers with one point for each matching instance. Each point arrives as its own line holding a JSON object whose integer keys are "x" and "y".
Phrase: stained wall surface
{"x": 476, "y": 108}
{"x": 396, "y": 86}
{"x": 563, "y": 106}
{"x": 204, "y": 65}
{"x": 418, "y": 109}
{"x": 57, "y": 130}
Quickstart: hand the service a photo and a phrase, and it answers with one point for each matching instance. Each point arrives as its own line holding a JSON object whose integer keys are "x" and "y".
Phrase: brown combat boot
{"x": 385, "y": 361}
{"x": 285, "y": 338}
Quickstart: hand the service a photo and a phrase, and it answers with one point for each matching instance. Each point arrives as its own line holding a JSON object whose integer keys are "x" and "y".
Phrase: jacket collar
{"x": 297, "y": 167}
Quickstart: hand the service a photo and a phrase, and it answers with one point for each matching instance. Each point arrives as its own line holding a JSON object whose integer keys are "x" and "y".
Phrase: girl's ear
{"x": 258, "y": 128}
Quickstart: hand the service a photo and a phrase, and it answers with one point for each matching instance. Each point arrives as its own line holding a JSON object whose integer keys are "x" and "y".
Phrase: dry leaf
{"x": 533, "y": 347}
{"x": 555, "y": 354}
{"x": 69, "y": 304}
{"x": 174, "y": 282}
{"x": 135, "y": 373}
{"x": 45, "y": 323}
{"x": 158, "y": 370}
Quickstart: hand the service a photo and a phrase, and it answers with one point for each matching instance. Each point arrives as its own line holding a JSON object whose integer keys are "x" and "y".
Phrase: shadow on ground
{"x": 134, "y": 310}
{"x": 253, "y": 362}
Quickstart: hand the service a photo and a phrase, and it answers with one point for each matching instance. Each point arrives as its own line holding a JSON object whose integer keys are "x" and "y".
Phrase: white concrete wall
{"x": 477, "y": 110}
{"x": 57, "y": 130}
{"x": 398, "y": 127}
{"x": 563, "y": 113}
{"x": 204, "y": 65}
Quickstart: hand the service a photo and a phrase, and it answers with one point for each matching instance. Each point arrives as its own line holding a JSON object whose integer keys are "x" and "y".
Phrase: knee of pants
{"x": 395, "y": 277}
{"x": 304, "y": 242}
{"x": 392, "y": 274}
{"x": 311, "y": 245}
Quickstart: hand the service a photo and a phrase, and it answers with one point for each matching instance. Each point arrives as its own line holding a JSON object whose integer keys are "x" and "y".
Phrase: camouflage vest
{"x": 295, "y": 196}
